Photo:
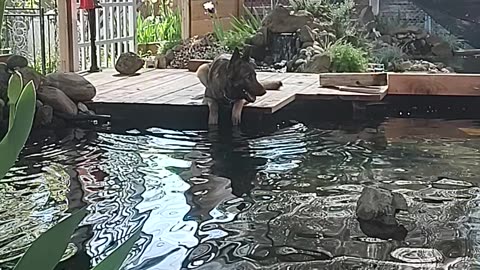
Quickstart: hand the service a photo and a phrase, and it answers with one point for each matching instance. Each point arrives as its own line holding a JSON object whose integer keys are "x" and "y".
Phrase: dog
{"x": 231, "y": 80}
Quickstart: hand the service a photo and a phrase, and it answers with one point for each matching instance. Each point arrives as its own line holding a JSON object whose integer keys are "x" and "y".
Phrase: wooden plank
{"x": 273, "y": 101}
{"x": 366, "y": 89}
{"x": 434, "y": 84}
{"x": 109, "y": 76}
{"x": 353, "y": 79}
{"x": 320, "y": 93}
{"x": 194, "y": 64}
{"x": 468, "y": 52}
{"x": 136, "y": 92}
{"x": 193, "y": 95}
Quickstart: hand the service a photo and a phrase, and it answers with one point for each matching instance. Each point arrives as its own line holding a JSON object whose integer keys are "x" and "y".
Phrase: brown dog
{"x": 231, "y": 79}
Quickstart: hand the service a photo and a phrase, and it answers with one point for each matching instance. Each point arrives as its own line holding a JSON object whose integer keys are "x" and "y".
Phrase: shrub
{"x": 321, "y": 9}
{"x": 346, "y": 58}
{"x": 242, "y": 28}
{"x": 388, "y": 54}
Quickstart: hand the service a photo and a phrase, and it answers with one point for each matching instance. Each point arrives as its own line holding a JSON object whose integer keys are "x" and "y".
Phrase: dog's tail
{"x": 272, "y": 85}
{"x": 202, "y": 73}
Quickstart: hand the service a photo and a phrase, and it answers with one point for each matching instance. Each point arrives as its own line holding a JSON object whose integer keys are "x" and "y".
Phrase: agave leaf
{"x": 48, "y": 249}
{"x": 21, "y": 125}
{"x": 15, "y": 88}
{"x": 115, "y": 260}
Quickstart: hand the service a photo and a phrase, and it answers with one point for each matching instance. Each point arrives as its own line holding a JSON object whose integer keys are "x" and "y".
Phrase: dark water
{"x": 256, "y": 200}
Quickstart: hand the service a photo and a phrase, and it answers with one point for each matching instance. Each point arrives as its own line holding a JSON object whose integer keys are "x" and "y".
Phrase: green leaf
{"x": 20, "y": 128}
{"x": 15, "y": 88}
{"x": 48, "y": 249}
{"x": 115, "y": 260}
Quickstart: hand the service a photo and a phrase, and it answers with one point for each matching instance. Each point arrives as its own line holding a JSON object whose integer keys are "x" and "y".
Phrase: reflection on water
{"x": 230, "y": 200}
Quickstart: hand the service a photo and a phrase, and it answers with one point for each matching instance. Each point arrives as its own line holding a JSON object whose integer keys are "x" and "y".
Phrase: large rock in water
{"x": 43, "y": 115}
{"x": 281, "y": 20}
{"x": 57, "y": 99}
{"x": 30, "y": 74}
{"x": 76, "y": 87}
{"x": 17, "y": 61}
{"x": 129, "y": 63}
{"x": 377, "y": 204}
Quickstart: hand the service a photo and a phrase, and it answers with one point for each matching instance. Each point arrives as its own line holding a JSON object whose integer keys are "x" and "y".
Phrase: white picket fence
{"x": 115, "y": 30}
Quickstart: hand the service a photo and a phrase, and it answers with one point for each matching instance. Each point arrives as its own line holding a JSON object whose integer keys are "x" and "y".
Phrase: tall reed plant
{"x": 163, "y": 28}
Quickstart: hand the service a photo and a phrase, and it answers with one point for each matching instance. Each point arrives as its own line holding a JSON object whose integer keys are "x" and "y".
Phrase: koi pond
{"x": 251, "y": 200}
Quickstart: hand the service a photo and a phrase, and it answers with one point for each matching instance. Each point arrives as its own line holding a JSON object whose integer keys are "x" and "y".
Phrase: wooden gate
{"x": 115, "y": 29}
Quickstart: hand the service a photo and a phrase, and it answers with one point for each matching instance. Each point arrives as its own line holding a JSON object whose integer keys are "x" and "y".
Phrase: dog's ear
{"x": 235, "y": 56}
{"x": 232, "y": 63}
{"x": 246, "y": 53}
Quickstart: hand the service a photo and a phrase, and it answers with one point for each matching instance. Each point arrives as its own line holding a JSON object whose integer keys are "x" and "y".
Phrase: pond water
{"x": 253, "y": 200}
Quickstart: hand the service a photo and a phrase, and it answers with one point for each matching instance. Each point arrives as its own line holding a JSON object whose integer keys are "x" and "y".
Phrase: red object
{"x": 87, "y": 4}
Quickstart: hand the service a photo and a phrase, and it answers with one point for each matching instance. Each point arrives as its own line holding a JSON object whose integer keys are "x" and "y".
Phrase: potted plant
{"x": 4, "y": 53}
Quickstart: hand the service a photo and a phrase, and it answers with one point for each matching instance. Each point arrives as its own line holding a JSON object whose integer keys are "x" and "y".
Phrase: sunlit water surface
{"x": 230, "y": 200}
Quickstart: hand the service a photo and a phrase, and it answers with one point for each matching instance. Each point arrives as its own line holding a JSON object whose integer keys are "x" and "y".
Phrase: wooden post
{"x": 184, "y": 6}
{"x": 241, "y": 7}
{"x": 66, "y": 43}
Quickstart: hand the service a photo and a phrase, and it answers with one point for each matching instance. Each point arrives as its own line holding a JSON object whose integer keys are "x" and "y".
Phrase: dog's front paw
{"x": 236, "y": 119}
{"x": 213, "y": 121}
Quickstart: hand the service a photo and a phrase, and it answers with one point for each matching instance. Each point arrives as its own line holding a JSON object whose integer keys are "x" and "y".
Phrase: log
{"x": 194, "y": 64}
{"x": 353, "y": 79}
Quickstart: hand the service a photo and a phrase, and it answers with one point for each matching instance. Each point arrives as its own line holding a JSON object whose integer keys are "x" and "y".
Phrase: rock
{"x": 43, "y": 115}
{"x": 280, "y": 20}
{"x": 377, "y": 204}
{"x": 17, "y": 61}
{"x": 386, "y": 38}
{"x": 299, "y": 62}
{"x": 76, "y": 87}
{"x": 442, "y": 49}
{"x": 258, "y": 40}
{"x": 129, "y": 63}
{"x": 318, "y": 64}
{"x": 160, "y": 61}
{"x": 29, "y": 74}
{"x": 178, "y": 47}
{"x": 405, "y": 30}
{"x": 403, "y": 66}
{"x": 4, "y": 78}
{"x": 257, "y": 53}
{"x": 2, "y": 106}
{"x": 366, "y": 16}
{"x": 57, "y": 99}
{"x": 169, "y": 56}
{"x": 82, "y": 107}
{"x": 280, "y": 65}
{"x": 307, "y": 44}
{"x": 305, "y": 34}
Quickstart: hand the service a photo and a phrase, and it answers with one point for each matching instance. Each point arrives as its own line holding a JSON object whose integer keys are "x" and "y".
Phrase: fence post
{"x": 42, "y": 38}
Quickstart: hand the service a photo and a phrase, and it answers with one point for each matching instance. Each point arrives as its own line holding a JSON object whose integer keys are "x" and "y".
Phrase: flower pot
{"x": 148, "y": 48}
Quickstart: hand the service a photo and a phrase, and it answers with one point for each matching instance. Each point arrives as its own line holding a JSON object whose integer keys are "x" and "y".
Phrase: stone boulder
{"x": 76, "y": 87}
{"x": 305, "y": 34}
{"x": 30, "y": 74}
{"x": 57, "y": 99}
{"x": 380, "y": 205}
{"x": 129, "y": 63}
{"x": 43, "y": 115}
{"x": 319, "y": 63}
{"x": 282, "y": 20}
{"x": 17, "y": 61}
{"x": 4, "y": 78}
{"x": 442, "y": 49}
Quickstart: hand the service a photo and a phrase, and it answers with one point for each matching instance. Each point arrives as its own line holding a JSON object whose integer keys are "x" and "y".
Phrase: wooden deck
{"x": 173, "y": 87}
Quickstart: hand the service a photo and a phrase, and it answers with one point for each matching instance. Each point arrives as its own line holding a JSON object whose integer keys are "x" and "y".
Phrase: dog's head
{"x": 243, "y": 78}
